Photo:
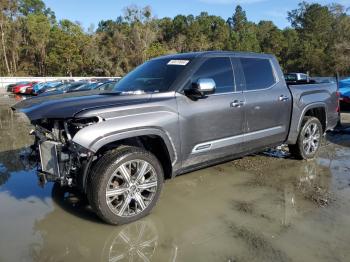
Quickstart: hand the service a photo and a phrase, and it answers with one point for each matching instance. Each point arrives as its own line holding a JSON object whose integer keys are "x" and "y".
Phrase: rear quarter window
{"x": 258, "y": 73}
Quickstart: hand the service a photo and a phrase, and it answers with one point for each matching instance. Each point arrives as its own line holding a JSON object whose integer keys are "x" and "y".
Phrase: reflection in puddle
{"x": 136, "y": 242}
{"x": 259, "y": 208}
{"x": 95, "y": 242}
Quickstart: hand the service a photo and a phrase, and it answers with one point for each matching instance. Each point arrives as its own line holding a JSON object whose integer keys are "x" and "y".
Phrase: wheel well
{"x": 152, "y": 143}
{"x": 320, "y": 114}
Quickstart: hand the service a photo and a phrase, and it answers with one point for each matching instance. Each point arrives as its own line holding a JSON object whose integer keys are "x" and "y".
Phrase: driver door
{"x": 211, "y": 127}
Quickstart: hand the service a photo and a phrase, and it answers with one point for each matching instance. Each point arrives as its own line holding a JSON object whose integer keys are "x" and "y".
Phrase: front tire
{"x": 309, "y": 139}
{"x": 125, "y": 185}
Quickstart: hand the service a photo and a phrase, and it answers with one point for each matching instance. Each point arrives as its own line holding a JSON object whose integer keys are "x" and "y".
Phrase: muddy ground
{"x": 266, "y": 207}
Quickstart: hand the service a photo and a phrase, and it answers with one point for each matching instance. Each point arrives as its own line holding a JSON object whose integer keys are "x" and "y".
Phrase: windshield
{"x": 155, "y": 76}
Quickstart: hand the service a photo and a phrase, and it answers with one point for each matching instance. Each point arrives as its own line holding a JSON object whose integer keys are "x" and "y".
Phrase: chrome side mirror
{"x": 206, "y": 86}
{"x": 203, "y": 87}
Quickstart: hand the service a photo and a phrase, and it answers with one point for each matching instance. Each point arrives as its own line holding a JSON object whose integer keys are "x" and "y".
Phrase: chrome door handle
{"x": 283, "y": 98}
{"x": 237, "y": 103}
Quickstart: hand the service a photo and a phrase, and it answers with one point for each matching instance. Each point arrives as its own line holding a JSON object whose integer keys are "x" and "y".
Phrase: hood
{"x": 69, "y": 104}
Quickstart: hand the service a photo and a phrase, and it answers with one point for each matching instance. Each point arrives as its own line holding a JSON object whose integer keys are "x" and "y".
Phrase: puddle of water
{"x": 259, "y": 208}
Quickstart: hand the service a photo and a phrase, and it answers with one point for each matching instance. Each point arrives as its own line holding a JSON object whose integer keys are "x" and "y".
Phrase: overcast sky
{"x": 92, "y": 11}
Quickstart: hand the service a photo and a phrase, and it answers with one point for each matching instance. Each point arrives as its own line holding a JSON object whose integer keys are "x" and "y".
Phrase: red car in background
{"x": 22, "y": 88}
{"x": 29, "y": 89}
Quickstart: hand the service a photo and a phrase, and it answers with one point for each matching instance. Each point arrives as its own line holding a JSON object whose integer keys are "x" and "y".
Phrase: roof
{"x": 192, "y": 55}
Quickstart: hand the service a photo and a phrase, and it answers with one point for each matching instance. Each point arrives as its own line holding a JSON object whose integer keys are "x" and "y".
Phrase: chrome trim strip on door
{"x": 233, "y": 140}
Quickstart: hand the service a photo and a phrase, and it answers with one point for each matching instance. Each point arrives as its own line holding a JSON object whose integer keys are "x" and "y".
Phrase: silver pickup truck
{"x": 169, "y": 116}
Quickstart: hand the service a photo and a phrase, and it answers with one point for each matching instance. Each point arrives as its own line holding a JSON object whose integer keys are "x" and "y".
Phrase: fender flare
{"x": 114, "y": 137}
{"x": 308, "y": 107}
{"x": 120, "y": 135}
{"x": 296, "y": 120}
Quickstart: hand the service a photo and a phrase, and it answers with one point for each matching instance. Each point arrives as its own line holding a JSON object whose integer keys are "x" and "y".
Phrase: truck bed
{"x": 308, "y": 96}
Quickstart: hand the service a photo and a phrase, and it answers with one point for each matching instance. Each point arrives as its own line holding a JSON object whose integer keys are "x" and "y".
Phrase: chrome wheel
{"x": 311, "y": 139}
{"x": 131, "y": 188}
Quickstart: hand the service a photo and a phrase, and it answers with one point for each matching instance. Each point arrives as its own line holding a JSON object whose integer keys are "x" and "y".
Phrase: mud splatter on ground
{"x": 259, "y": 247}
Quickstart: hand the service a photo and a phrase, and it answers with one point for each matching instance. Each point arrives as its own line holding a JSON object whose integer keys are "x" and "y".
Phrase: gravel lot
{"x": 266, "y": 207}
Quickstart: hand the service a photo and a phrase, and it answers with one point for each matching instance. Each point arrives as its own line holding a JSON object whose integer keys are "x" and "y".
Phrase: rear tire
{"x": 309, "y": 139}
{"x": 125, "y": 184}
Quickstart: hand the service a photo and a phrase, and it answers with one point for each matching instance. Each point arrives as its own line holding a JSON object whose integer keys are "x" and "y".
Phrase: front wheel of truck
{"x": 309, "y": 139}
{"x": 125, "y": 184}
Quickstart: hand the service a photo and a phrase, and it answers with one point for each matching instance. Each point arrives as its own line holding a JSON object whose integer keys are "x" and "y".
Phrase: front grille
{"x": 49, "y": 157}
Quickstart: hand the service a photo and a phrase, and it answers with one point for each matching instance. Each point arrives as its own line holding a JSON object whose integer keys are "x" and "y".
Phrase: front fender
{"x": 163, "y": 124}
{"x": 114, "y": 137}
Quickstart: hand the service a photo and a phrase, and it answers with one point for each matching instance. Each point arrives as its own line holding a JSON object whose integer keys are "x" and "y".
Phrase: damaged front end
{"x": 61, "y": 159}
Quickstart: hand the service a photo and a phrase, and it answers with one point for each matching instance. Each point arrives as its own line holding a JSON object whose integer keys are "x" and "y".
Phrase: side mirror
{"x": 203, "y": 87}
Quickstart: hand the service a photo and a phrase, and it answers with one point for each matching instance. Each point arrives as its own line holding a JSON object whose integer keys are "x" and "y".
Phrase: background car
{"x": 47, "y": 86}
{"x": 37, "y": 87}
{"x": 11, "y": 86}
{"x": 298, "y": 79}
{"x": 89, "y": 86}
{"x": 80, "y": 86}
{"x": 29, "y": 89}
{"x": 21, "y": 88}
{"x": 345, "y": 98}
{"x": 105, "y": 85}
{"x": 344, "y": 90}
{"x": 64, "y": 88}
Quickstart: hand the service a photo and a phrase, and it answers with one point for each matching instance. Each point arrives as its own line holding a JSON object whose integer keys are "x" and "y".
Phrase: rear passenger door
{"x": 268, "y": 103}
{"x": 211, "y": 127}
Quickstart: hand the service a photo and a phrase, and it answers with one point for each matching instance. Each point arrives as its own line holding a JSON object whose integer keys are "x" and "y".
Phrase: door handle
{"x": 283, "y": 98}
{"x": 237, "y": 103}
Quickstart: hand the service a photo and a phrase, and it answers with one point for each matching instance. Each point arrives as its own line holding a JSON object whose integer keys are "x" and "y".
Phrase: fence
{"x": 4, "y": 81}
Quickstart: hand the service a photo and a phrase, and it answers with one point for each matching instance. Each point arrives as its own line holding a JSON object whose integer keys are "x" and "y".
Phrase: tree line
{"x": 35, "y": 43}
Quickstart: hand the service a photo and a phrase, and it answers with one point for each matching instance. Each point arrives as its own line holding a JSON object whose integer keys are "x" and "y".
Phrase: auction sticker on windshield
{"x": 178, "y": 62}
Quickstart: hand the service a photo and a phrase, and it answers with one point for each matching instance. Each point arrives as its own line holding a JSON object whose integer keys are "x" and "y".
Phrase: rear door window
{"x": 258, "y": 73}
{"x": 220, "y": 70}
